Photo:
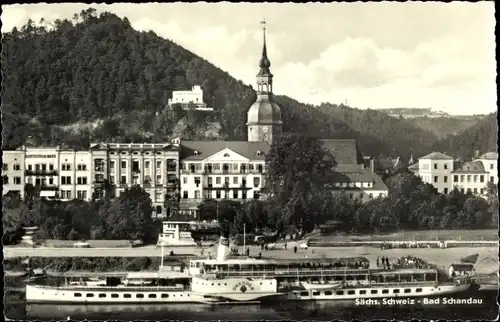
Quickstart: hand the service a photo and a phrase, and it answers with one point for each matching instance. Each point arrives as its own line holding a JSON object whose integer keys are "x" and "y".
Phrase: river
{"x": 16, "y": 308}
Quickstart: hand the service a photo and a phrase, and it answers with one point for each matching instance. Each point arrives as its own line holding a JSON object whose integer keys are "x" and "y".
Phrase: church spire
{"x": 264, "y": 62}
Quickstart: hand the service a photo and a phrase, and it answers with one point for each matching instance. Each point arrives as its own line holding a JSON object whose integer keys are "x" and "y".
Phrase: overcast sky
{"x": 372, "y": 55}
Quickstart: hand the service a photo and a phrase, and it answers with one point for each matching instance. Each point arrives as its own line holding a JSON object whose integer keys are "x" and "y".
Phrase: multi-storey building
{"x": 155, "y": 167}
{"x": 58, "y": 173}
{"x": 193, "y": 97}
{"x": 446, "y": 174}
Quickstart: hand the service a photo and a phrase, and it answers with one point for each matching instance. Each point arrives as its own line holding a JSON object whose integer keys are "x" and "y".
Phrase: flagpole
{"x": 244, "y": 237}
{"x": 161, "y": 264}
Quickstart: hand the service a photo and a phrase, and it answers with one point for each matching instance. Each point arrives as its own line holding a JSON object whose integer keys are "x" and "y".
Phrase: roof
{"x": 263, "y": 261}
{"x": 471, "y": 166}
{"x": 206, "y": 149}
{"x": 264, "y": 111}
{"x": 462, "y": 267}
{"x": 181, "y": 217}
{"x": 364, "y": 175}
{"x": 489, "y": 156}
{"x": 437, "y": 156}
{"x": 344, "y": 151}
{"x": 413, "y": 167}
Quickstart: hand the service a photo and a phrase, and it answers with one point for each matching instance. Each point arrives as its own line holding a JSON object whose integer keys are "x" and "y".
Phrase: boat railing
{"x": 112, "y": 288}
{"x": 293, "y": 272}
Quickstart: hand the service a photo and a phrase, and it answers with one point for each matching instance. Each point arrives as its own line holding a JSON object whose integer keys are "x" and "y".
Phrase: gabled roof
{"x": 437, "y": 156}
{"x": 471, "y": 166}
{"x": 181, "y": 217}
{"x": 200, "y": 150}
{"x": 489, "y": 156}
{"x": 344, "y": 151}
{"x": 363, "y": 175}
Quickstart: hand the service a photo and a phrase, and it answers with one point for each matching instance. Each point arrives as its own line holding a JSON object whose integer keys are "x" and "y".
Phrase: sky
{"x": 366, "y": 55}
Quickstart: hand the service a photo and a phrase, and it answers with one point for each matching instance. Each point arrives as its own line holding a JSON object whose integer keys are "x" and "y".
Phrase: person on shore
{"x": 248, "y": 251}
{"x": 285, "y": 245}
{"x": 378, "y": 262}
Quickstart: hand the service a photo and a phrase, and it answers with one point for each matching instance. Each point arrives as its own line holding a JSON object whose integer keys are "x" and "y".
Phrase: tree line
{"x": 95, "y": 78}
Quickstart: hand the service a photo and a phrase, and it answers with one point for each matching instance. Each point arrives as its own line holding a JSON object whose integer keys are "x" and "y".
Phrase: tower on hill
{"x": 264, "y": 116}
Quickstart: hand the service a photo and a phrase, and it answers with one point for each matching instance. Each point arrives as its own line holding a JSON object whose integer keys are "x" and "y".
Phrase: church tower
{"x": 264, "y": 116}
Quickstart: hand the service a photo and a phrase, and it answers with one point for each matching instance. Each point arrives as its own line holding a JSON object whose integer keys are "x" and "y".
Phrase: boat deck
{"x": 119, "y": 288}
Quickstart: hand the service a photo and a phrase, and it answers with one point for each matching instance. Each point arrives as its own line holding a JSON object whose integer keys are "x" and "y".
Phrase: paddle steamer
{"x": 254, "y": 280}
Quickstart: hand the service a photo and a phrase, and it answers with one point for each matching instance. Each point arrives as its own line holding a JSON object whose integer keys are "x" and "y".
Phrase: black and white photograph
{"x": 250, "y": 161}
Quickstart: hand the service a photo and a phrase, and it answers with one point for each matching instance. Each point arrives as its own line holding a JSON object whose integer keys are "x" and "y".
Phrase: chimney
{"x": 372, "y": 164}
{"x": 476, "y": 154}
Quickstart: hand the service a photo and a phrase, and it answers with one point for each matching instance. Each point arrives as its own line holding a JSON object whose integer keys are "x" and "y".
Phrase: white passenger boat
{"x": 248, "y": 280}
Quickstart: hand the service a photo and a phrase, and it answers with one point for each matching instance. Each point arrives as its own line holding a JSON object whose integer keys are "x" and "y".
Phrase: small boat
{"x": 320, "y": 286}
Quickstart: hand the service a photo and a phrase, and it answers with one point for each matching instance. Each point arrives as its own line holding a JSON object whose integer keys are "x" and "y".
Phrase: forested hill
{"x": 483, "y": 137}
{"x": 95, "y": 78}
{"x": 445, "y": 125}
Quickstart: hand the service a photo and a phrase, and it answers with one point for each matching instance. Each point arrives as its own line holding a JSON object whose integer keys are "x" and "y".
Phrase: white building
{"x": 446, "y": 174}
{"x": 155, "y": 167}
{"x": 193, "y": 97}
{"x": 57, "y": 173}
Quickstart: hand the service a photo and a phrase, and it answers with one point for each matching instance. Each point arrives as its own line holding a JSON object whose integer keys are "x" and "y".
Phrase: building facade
{"x": 193, "y": 97}
{"x": 447, "y": 174}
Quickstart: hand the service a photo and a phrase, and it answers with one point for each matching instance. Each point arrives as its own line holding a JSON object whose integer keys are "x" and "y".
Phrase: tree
{"x": 298, "y": 169}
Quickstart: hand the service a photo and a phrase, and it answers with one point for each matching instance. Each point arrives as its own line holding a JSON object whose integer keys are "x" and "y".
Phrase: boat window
{"x": 395, "y": 291}
{"x": 350, "y": 292}
{"x": 373, "y": 291}
{"x": 89, "y": 295}
{"x": 77, "y": 295}
{"x": 407, "y": 290}
{"x": 385, "y": 291}
{"x": 316, "y": 293}
{"x": 139, "y": 295}
{"x": 114, "y": 296}
{"x": 102, "y": 295}
{"x": 127, "y": 296}
{"x": 152, "y": 296}
{"x": 339, "y": 292}
{"x": 362, "y": 292}
{"x": 418, "y": 290}
{"x": 304, "y": 293}
{"x": 164, "y": 296}
{"x": 328, "y": 292}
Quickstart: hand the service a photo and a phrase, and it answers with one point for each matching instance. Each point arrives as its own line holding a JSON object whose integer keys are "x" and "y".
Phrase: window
{"x": 123, "y": 180}
{"x": 81, "y": 180}
{"x": 114, "y": 295}
{"x": 395, "y": 291}
{"x": 82, "y": 167}
{"x": 235, "y": 180}
{"x": 243, "y": 195}
{"x": 139, "y": 296}
{"x": 5, "y": 179}
{"x": 328, "y": 292}
{"x": 127, "y": 296}
{"x": 455, "y": 178}
{"x": 373, "y": 291}
{"x": 5, "y": 167}
{"x": 217, "y": 180}
{"x": 385, "y": 291}
{"x": 445, "y": 166}
{"x": 158, "y": 164}
{"x": 66, "y": 180}
{"x": 164, "y": 296}
{"x": 197, "y": 194}
{"x": 475, "y": 178}
{"x": 124, "y": 164}
{"x": 407, "y": 290}
{"x": 77, "y": 295}
{"x": 316, "y": 293}
{"x": 81, "y": 194}
{"x": 89, "y": 295}
{"x": 491, "y": 166}
{"x": 435, "y": 166}
{"x": 445, "y": 190}
{"x": 468, "y": 178}
{"x": 17, "y": 180}
{"x": 44, "y": 167}
{"x": 217, "y": 194}
{"x": 482, "y": 191}
{"x": 30, "y": 167}
{"x": 256, "y": 182}
{"x": 184, "y": 194}
{"x": 339, "y": 293}
{"x": 152, "y": 296}
{"x": 184, "y": 180}
{"x": 492, "y": 179}
{"x": 418, "y": 290}
{"x": 435, "y": 179}
{"x": 351, "y": 292}
{"x": 445, "y": 179}
{"x": 112, "y": 166}
{"x": 481, "y": 178}
{"x": 304, "y": 294}
{"x": 475, "y": 190}
{"x": 65, "y": 167}
{"x": 101, "y": 295}
{"x": 158, "y": 179}
{"x": 235, "y": 194}
{"x": 462, "y": 178}
{"x": 112, "y": 179}
{"x": 362, "y": 292}
{"x": 65, "y": 194}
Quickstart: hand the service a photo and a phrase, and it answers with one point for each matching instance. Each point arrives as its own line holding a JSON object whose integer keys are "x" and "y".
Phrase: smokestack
{"x": 372, "y": 164}
{"x": 223, "y": 250}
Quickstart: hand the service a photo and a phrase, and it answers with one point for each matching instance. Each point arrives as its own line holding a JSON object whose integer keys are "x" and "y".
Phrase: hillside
{"x": 445, "y": 126}
{"x": 99, "y": 70}
{"x": 483, "y": 137}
